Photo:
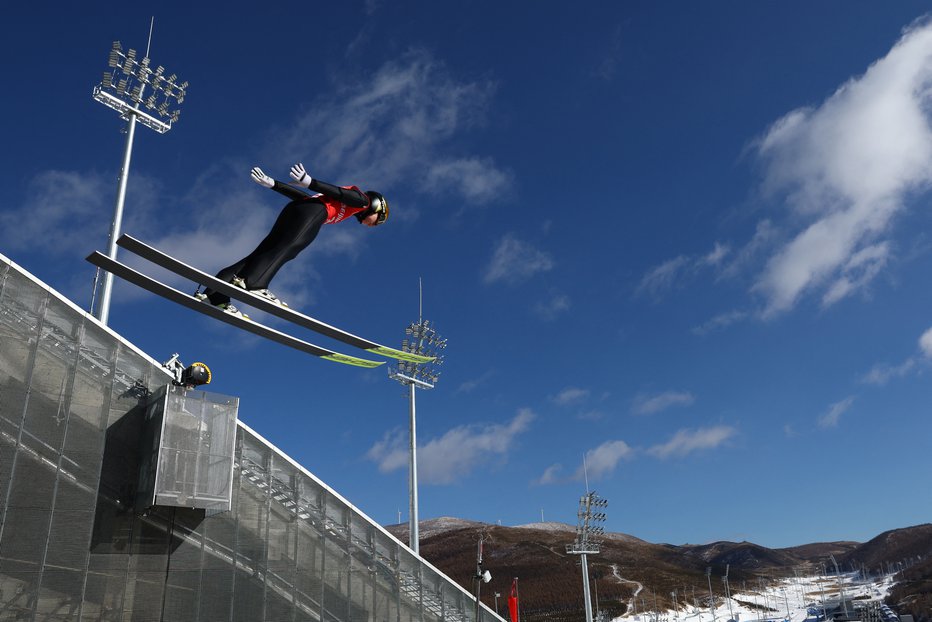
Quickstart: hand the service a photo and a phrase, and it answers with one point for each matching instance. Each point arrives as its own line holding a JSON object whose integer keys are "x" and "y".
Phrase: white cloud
{"x": 390, "y": 453}
{"x": 831, "y": 418}
{"x": 468, "y": 386}
{"x": 660, "y": 279}
{"x": 551, "y": 475}
{"x": 571, "y": 395}
{"x": 69, "y": 212}
{"x": 686, "y": 441}
{"x": 554, "y": 307}
{"x": 455, "y": 454}
{"x": 514, "y": 260}
{"x": 591, "y": 415}
{"x": 604, "y": 459}
{"x": 477, "y": 179}
{"x": 664, "y": 277}
{"x": 391, "y": 128}
{"x": 717, "y": 255}
{"x": 720, "y": 322}
{"x": 765, "y": 233}
{"x": 848, "y": 167}
{"x": 652, "y": 404}
{"x": 882, "y": 373}
{"x": 925, "y": 343}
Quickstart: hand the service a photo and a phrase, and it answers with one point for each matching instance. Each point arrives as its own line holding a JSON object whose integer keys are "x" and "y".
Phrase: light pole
{"x": 123, "y": 89}
{"x": 423, "y": 340}
{"x": 731, "y": 613}
{"x": 841, "y": 587}
{"x": 588, "y": 538}
{"x": 708, "y": 575}
{"x": 481, "y": 576}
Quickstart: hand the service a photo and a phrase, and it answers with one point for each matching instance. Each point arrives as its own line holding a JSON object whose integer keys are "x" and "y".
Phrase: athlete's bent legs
{"x": 295, "y": 228}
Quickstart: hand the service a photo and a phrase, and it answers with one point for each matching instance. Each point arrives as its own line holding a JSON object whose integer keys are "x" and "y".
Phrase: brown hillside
{"x": 550, "y": 582}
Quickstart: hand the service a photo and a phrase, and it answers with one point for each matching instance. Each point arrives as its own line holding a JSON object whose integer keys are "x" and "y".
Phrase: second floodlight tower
{"x": 589, "y": 532}
{"x": 130, "y": 86}
{"x": 421, "y": 339}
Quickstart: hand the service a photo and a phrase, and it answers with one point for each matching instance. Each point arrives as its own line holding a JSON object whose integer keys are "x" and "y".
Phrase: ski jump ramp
{"x": 74, "y": 545}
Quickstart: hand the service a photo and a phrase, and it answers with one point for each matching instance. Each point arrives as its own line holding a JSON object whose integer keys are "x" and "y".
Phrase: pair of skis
{"x": 202, "y": 278}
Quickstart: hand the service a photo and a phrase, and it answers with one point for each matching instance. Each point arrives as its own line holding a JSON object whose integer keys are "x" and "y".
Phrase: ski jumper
{"x": 295, "y": 228}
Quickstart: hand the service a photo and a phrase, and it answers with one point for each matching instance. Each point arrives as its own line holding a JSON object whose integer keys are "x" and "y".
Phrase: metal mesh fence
{"x": 74, "y": 544}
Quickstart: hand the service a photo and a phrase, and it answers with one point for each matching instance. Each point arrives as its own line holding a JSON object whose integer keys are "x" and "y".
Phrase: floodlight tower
{"x": 422, "y": 339}
{"x": 124, "y": 89}
{"x": 731, "y": 613}
{"x": 588, "y": 538}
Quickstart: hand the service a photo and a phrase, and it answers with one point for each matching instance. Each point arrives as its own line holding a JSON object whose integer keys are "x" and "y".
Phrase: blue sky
{"x": 688, "y": 241}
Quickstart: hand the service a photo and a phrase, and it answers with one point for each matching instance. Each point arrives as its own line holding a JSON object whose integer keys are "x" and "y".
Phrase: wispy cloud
{"x": 925, "y": 343}
{"x": 607, "y": 67}
{"x": 477, "y": 179}
{"x": 69, "y": 212}
{"x": 882, "y": 373}
{"x": 468, "y": 386}
{"x": 454, "y": 455}
{"x": 603, "y": 460}
{"x": 571, "y": 395}
{"x": 394, "y": 126}
{"x": 686, "y": 441}
{"x": 514, "y": 260}
{"x": 661, "y": 279}
{"x": 551, "y": 475}
{"x": 552, "y": 308}
{"x": 831, "y": 418}
{"x": 720, "y": 322}
{"x": 848, "y": 168}
{"x": 591, "y": 415}
{"x": 652, "y": 404}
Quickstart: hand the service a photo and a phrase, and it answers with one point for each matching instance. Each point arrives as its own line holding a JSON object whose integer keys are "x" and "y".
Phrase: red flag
{"x": 513, "y": 601}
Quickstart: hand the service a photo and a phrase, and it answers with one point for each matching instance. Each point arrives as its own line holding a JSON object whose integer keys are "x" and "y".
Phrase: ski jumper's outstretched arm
{"x": 347, "y": 196}
{"x": 350, "y": 197}
{"x": 289, "y": 191}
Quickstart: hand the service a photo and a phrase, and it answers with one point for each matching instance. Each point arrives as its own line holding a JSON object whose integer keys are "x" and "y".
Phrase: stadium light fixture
{"x": 588, "y": 540}
{"x": 424, "y": 340}
{"x": 123, "y": 90}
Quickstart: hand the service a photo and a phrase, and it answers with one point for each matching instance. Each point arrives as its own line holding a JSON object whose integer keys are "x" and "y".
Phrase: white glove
{"x": 300, "y": 175}
{"x": 261, "y": 178}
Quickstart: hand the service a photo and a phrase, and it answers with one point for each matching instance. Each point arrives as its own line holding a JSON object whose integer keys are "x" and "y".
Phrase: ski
{"x": 157, "y": 287}
{"x": 189, "y": 272}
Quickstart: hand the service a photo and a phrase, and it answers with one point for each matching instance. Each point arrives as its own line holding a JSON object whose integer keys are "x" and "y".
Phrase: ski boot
{"x": 226, "y": 307}
{"x": 262, "y": 293}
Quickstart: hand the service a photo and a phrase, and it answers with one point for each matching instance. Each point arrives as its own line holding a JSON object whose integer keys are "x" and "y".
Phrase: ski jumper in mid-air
{"x": 295, "y": 228}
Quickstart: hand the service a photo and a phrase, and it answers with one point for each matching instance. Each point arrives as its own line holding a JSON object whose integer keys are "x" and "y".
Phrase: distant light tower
{"x": 123, "y": 89}
{"x": 423, "y": 340}
{"x": 841, "y": 587}
{"x": 588, "y": 538}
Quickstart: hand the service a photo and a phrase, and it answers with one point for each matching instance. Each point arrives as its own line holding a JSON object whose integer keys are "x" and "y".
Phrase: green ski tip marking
{"x": 352, "y": 360}
{"x": 401, "y": 355}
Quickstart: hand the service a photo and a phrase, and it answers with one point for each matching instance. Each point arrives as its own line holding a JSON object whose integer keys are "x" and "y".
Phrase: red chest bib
{"x": 336, "y": 210}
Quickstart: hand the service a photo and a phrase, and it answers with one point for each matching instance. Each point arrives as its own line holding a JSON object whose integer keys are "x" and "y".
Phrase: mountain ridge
{"x": 551, "y": 588}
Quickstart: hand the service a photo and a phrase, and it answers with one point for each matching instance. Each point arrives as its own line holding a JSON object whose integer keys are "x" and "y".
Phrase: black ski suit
{"x": 295, "y": 228}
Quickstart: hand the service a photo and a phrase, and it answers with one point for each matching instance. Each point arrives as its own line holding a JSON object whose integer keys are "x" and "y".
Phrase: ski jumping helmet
{"x": 377, "y": 205}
